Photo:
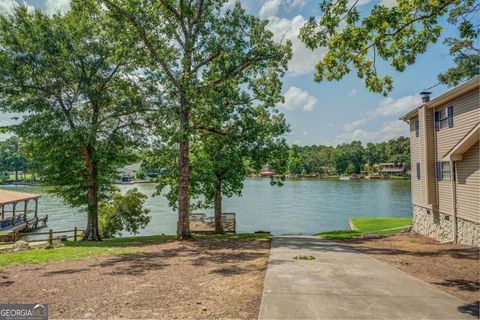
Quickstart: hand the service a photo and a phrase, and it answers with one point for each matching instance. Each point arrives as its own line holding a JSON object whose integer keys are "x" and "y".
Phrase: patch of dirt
{"x": 453, "y": 268}
{"x": 202, "y": 279}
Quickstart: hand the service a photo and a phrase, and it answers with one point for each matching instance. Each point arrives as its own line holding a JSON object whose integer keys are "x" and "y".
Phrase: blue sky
{"x": 328, "y": 112}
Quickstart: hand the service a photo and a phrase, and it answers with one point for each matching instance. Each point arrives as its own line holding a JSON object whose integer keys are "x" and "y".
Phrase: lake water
{"x": 298, "y": 207}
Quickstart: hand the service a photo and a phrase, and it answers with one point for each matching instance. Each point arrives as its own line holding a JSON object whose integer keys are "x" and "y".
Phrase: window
{"x": 444, "y": 118}
{"x": 443, "y": 171}
{"x": 418, "y": 170}
{"x": 417, "y": 127}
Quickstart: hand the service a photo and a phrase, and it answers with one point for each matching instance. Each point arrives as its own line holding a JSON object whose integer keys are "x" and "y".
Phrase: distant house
{"x": 445, "y": 158}
{"x": 391, "y": 169}
{"x": 266, "y": 173}
{"x": 129, "y": 172}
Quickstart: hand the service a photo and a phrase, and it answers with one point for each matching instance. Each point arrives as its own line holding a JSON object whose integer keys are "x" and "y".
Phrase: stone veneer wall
{"x": 468, "y": 232}
{"x": 439, "y": 226}
{"x": 433, "y": 225}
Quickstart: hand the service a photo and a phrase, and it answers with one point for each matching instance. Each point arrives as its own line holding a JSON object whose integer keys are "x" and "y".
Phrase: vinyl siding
{"x": 466, "y": 114}
{"x": 430, "y": 176}
{"x": 445, "y": 197}
{"x": 468, "y": 185}
{"x": 415, "y": 154}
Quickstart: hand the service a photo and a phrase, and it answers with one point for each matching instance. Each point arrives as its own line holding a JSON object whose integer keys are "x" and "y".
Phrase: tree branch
{"x": 233, "y": 73}
{"x": 206, "y": 61}
{"x": 143, "y": 35}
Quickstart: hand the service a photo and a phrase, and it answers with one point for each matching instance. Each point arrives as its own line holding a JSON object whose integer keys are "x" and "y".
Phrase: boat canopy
{"x": 9, "y": 197}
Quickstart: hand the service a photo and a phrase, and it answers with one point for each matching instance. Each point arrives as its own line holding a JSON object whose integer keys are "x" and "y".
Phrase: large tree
{"x": 195, "y": 47}
{"x": 249, "y": 141}
{"x": 71, "y": 77}
{"x": 396, "y": 34}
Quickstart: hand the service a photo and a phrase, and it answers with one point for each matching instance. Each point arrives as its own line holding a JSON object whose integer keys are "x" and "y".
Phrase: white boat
{"x": 345, "y": 178}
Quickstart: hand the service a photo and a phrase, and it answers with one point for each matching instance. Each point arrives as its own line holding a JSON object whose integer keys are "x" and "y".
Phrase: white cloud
{"x": 229, "y": 4}
{"x": 389, "y": 130}
{"x": 295, "y": 4}
{"x": 304, "y": 59}
{"x": 352, "y": 92}
{"x": 354, "y": 124}
{"x": 390, "y": 107}
{"x": 6, "y": 6}
{"x": 56, "y": 6}
{"x": 304, "y": 133}
{"x": 270, "y": 8}
{"x": 388, "y": 3}
{"x": 386, "y": 108}
{"x": 298, "y": 99}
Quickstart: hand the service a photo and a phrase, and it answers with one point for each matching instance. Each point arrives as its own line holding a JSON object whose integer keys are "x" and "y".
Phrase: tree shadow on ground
{"x": 140, "y": 241}
{"x": 462, "y": 284}
{"x": 135, "y": 264}
{"x": 471, "y": 308}
{"x": 470, "y": 253}
{"x": 6, "y": 283}
{"x": 64, "y": 271}
{"x": 231, "y": 257}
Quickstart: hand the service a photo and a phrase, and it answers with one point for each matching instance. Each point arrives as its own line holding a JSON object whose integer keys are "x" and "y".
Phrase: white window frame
{"x": 443, "y": 118}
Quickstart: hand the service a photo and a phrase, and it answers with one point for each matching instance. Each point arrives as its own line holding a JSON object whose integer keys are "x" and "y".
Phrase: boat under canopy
{"x": 15, "y": 214}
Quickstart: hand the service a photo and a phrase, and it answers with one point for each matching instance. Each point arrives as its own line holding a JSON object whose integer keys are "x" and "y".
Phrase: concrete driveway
{"x": 342, "y": 283}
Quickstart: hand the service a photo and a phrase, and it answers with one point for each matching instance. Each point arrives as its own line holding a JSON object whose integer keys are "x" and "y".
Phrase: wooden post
{"x": 50, "y": 237}
{"x": 13, "y": 212}
{"x": 36, "y": 207}
{"x": 75, "y": 234}
{"x": 25, "y": 211}
{"x": 3, "y": 211}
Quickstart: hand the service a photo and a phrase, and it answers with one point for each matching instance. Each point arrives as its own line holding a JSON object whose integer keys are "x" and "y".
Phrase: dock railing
{"x": 75, "y": 234}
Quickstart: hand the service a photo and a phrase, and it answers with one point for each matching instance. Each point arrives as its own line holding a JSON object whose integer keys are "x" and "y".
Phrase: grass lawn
{"x": 113, "y": 246}
{"x": 381, "y": 226}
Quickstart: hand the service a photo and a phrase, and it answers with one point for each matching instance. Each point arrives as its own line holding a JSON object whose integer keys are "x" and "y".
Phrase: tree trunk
{"x": 16, "y": 175}
{"x": 183, "y": 226}
{"x": 218, "y": 207}
{"x": 91, "y": 233}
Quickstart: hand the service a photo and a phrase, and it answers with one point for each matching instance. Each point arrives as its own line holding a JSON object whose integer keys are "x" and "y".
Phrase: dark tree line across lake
{"x": 314, "y": 160}
{"x": 347, "y": 158}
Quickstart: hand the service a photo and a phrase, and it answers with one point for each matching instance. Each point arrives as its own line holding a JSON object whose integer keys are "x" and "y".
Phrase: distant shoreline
{"x": 35, "y": 184}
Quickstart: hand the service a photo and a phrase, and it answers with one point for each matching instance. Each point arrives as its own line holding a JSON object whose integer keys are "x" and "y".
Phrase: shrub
{"x": 123, "y": 213}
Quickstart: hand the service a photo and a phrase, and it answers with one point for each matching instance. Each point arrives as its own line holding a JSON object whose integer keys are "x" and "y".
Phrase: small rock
{"x": 204, "y": 309}
{"x": 20, "y": 246}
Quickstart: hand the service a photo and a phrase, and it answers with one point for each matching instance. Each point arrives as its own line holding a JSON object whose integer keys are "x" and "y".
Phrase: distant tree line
{"x": 347, "y": 158}
{"x": 16, "y": 158}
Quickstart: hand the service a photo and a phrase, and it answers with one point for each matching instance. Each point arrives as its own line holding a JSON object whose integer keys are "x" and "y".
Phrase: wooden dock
{"x": 16, "y": 215}
{"x": 200, "y": 223}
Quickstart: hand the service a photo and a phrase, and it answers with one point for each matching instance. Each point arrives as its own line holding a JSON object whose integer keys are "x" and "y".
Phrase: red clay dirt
{"x": 202, "y": 279}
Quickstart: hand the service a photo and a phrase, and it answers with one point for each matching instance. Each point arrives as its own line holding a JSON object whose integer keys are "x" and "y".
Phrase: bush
{"x": 123, "y": 213}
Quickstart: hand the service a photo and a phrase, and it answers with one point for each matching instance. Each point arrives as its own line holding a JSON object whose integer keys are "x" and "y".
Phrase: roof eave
{"x": 470, "y": 85}
{"x": 410, "y": 115}
{"x": 456, "y": 153}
